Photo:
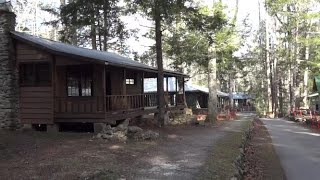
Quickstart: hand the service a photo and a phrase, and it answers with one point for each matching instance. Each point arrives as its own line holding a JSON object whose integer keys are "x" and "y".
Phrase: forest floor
{"x": 180, "y": 153}
{"x": 262, "y": 161}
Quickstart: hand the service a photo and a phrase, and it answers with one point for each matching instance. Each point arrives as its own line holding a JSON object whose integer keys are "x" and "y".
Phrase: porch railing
{"x": 96, "y": 104}
{"x": 90, "y": 104}
{"x": 127, "y": 102}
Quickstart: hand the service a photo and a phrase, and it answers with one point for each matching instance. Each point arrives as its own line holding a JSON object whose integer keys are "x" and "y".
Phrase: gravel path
{"x": 183, "y": 158}
{"x": 297, "y": 147}
{"x": 180, "y": 154}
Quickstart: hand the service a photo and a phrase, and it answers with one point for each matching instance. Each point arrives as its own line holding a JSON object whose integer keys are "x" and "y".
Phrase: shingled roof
{"x": 63, "y": 49}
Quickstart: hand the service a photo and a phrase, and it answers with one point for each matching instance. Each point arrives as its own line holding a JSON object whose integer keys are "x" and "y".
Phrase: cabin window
{"x": 131, "y": 78}
{"x": 79, "y": 82}
{"x": 130, "y": 81}
{"x": 35, "y": 74}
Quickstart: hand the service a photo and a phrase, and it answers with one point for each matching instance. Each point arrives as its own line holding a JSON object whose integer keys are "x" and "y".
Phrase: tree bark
{"x": 99, "y": 28}
{"x": 306, "y": 75}
{"x": 212, "y": 84}
{"x": 160, "y": 89}
{"x": 93, "y": 29}
{"x": 105, "y": 24}
{"x": 268, "y": 65}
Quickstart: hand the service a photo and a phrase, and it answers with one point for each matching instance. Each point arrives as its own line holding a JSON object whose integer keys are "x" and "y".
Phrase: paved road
{"x": 297, "y": 147}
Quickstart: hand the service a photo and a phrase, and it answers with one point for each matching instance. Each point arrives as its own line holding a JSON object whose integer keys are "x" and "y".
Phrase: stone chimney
{"x": 9, "y": 87}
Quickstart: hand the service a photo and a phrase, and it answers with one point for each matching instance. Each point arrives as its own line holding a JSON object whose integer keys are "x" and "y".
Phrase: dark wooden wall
{"x": 137, "y": 87}
{"x": 36, "y": 103}
{"x": 61, "y": 73}
{"x": 117, "y": 80}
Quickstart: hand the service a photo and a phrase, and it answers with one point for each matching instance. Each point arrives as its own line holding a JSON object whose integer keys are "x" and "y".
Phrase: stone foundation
{"x": 9, "y": 87}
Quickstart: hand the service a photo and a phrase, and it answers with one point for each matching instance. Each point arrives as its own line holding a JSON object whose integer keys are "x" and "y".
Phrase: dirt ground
{"x": 261, "y": 161}
{"x": 178, "y": 154}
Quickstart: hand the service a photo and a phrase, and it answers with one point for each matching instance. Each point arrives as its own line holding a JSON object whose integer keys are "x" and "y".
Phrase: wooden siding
{"x": 26, "y": 53}
{"x": 36, "y": 105}
{"x": 117, "y": 80}
{"x": 137, "y": 87}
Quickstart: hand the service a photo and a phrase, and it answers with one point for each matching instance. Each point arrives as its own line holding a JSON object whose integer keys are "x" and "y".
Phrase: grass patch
{"x": 220, "y": 164}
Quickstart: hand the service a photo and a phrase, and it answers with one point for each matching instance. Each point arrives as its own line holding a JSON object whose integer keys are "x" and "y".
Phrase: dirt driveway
{"x": 179, "y": 154}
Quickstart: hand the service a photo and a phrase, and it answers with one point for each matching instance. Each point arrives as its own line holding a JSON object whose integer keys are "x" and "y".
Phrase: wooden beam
{"x": 104, "y": 90}
{"x": 167, "y": 84}
{"x": 53, "y": 84}
{"x": 124, "y": 85}
{"x": 142, "y": 79}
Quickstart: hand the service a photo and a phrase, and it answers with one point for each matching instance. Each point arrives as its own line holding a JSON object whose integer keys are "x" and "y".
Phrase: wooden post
{"x": 124, "y": 86}
{"x": 142, "y": 90}
{"x": 167, "y": 94}
{"x": 184, "y": 93}
{"x": 53, "y": 84}
{"x": 176, "y": 93}
{"x": 124, "y": 89}
{"x": 104, "y": 91}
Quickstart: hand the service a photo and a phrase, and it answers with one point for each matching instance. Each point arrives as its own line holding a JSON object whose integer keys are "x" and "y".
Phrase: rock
{"x": 188, "y": 111}
{"x": 108, "y": 127}
{"x": 134, "y": 129}
{"x": 126, "y": 122}
{"x": 136, "y": 136}
{"x": 150, "y": 135}
{"x": 119, "y": 136}
{"x": 99, "y": 135}
{"x": 106, "y": 136}
{"x": 123, "y": 126}
{"x": 109, "y": 132}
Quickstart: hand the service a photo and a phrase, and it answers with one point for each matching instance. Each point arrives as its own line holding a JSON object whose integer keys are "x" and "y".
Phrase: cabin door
{"x": 108, "y": 84}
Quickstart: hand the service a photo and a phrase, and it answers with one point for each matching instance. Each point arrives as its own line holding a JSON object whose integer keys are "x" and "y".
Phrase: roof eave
{"x": 154, "y": 70}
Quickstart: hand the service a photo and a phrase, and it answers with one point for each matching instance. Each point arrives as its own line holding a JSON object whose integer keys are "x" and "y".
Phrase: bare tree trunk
{"x": 160, "y": 89}
{"x": 212, "y": 84}
{"x": 105, "y": 25}
{"x": 93, "y": 29}
{"x": 231, "y": 90}
{"x": 268, "y": 65}
{"x": 305, "y": 75}
{"x": 296, "y": 70}
{"x": 99, "y": 28}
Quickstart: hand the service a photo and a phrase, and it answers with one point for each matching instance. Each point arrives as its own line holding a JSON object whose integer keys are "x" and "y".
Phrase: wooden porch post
{"x": 142, "y": 90}
{"x": 167, "y": 95}
{"x": 176, "y": 93}
{"x": 104, "y": 91}
{"x": 124, "y": 89}
{"x": 53, "y": 84}
{"x": 124, "y": 86}
{"x": 184, "y": 93}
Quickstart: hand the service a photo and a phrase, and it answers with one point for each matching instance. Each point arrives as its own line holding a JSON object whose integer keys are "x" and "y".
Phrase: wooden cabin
{"x": 197, "y": 97}
{"x": 63, "y": 83}
{"x": 242, "y": 101}
{"x": 313, "y": 98}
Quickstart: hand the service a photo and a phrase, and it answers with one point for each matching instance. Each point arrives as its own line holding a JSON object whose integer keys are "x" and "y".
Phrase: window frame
{"x": 130, "y": 81}
{"x": 35, "y": 81}
{"x": 81, "y": 72}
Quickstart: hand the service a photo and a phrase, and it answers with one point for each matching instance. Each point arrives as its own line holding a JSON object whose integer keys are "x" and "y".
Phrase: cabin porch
{"x": 108, "y": 94}
{"x": 62, "y": 88}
